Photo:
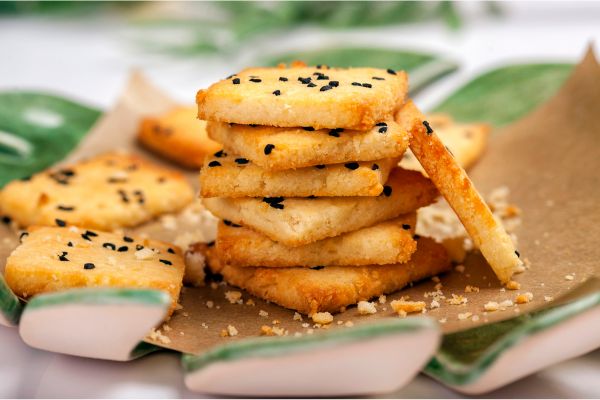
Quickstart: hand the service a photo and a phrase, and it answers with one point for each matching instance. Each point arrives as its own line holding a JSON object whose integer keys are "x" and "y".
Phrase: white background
{"x": 90, "y": 60}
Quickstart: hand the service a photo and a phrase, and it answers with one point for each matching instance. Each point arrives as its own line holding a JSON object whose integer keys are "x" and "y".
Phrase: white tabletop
{"x": 90, "y": 60}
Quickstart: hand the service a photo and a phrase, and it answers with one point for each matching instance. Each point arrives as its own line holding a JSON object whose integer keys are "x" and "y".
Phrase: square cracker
{"x": 354, "y": 98}
{"x": 178, "y": 136}
{"x": 388, "y": 242}
{"x": 228, "y": 175}
{"x": 466, "y": 141}
{"x": 454, "y": 184}
{"x": 285, "y": 148}
{"x": 299, "y": 221}
{"x": 105, "y": 192}
{"x": 331, "y": 288}
{"x": 52, "y": 259}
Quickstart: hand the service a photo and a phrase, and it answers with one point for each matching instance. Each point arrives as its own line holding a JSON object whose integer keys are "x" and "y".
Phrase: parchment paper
{"x": 549, "y": 160}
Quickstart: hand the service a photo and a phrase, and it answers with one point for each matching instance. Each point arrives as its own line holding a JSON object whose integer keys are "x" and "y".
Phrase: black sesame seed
{"x": 127, "y": 239}
{"x": 23, "y": 236}
{"x": 311, "y": 85}
{"x": 325, "y": 88}
{"x": 60, "y": 222}
{"x": 312, "y": 196}
{"x": 255, "y": 80}
{"x": 229, "y": 223}
{"x": 517, "y": 253}
{"x": 123, "y": 195}
{"x": 308, "y": 128}
{"x": 429, "y": 130}
{"x": 122, "y": 249}
{"x": 90, "y": 233}
{"x": 351, "y": 165}
{"x": 375, "y": 167}
{"x": 387, "y": 191}
{"x": 383, "y": 129}
{"x": 65, "y": 208}
{"x": 334, "y": 133}
{"x": 305, "y": 80}
{"x": 269, "y": 148}
{"x": 283, "y": 79}
{"x": 220, "y": 153}
{"x": 89, "y": 266}
{"x": 214, "y": 164}
{"x": 230, "y": 76}
{"x": 170, "y": 250}
{"x": 334, "y": 83}
{"x": 391, "y": 71}
{"x": 139, "y": 247}
{"x": 236, "y": 81}
{"x": 367, "y": 85}
{"x": 86, "y": 237}
{"x": 277, "y": 206}
{"x": 63, "y": 256}
{"x": 67, "y": 172}
{"x": 70, "y": 244}
{"x": 318, "y": 267}
{"x": 381, "y": 124}
{"x": 416, "y": 237}
{"x": 166, "y": 262}
{"x": 241, "y": 161}
{"x": 320, "y": 166}
{"x": 356, "y": 84}
{"x": 109, "y": 246}
{"x": 6, "y": 220}
{"x": 405, "y": 227}
{"x": 210, "y": 244}
{"x": 253, "y": 125}
{"x": 277, "y": 92}
{"x": 378, "y": 78}
{"x": 322, "y": 77}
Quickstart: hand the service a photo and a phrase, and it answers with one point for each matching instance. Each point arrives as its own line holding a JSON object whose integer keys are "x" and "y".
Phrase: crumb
{"x": 382, "y": 299}
{"x": 144, "y": 254}
{"x": 297, "y": 317}
{"x": 233, "y": 296}
{"x": 457, "y": 300}
{"x": 167, "y": 328}
{"x": 463, "y": 316}
{"x": 305, "y": 325}
{"x": 403, "y": 306}
{"x": 475, "y": 318}
{"x": 231, "y": 330}
{"x": 524, "y": 298}
{"x": 569, "y": 277}
{"x": 460, "y": 268}
{"x": 323, "y": 318}
{"x": 156, "y": 334}
{"x": 210, "y": 304}
{"x": 513, "y": 285}
{"x": 266, "y": 330}
{"x": 263, "y": 313}
{"x": 349, "y": 324}
{"x": 250, "y": 302}
{"x": 443, "y": 320}
{"x": 491, "y": 306}
{"x": 366, "y": 307}
{"x": 505, "y": 304}
{"x": 548, "y": 298}
{"x": 434, "y": 304}
{"x": 275, "y": 322}
{"x": 297, "y": 334}
{"x": 214, "y": 285}
{"x": 435, "y": 279}
{"x": 471, "y": 289}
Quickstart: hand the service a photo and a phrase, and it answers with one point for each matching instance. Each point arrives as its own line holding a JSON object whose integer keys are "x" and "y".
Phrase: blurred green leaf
{"x": 37, "y": 130}
{"x": 423, "y": 68}
{"x": 505, "y": 94}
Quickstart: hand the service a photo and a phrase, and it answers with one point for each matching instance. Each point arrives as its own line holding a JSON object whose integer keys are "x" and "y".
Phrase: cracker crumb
{"x": 513, "y": 285}
{"x": 323, "y": 318}
{"x": 404, "y": 307}
{"x": 263, "y": 313}
{"x": 457, "y": 300}
{"x": 156, "y": 334}
{"x": 214, "y": 285}
{"x": 167, "y": 328}
{"x": 366, "y": 307}
{"x": 471, "y": 289}
{"x": 210, "y": 304}
{"x": 491, "y": 306}
{"x": 505, "y": 304}
{"x": 231, "y": 330}
{"x": 524, "y": 298}
{"x": 475, "y": 318}
{"x": 382, "y": 299}
{"x": 250, "y": 302}
{"x": 548, "y": 298}
{"x": 297, "y": 316}
{"x": 463, "y": 316}
{"x": 305, "y": 325}
{"x": 460, "y": 268}
{"x": 266, "y": 330}
{"x": 275, "y": 322}
{"x": 569, "y": 277}
{"x": 348, "y": 324}
{"x": 442, "y": 320}
{"x": 434, "y": 304}
{"x": 233, "y": 296}
{"x": 144, "y": 254}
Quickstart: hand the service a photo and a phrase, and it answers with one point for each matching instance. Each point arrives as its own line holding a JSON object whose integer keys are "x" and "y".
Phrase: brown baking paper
{"x": 549, "y": 160}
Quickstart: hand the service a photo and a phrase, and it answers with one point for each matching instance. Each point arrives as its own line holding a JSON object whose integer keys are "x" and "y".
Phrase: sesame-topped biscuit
{"x": 109, "y": 191}
{"x": 299, "y": 221}
{"x": 353, "y": 98}
{"x": 285, "y": 148}
{"x": 330, "y": 289}
{"x": 388, "y": 242}
{"x": 178, "y": 136}
{"x": 229, "y": 175}
{"x": 50, "y": 259}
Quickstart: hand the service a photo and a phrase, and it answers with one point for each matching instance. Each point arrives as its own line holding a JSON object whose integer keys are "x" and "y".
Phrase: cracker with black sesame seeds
{"x": 51, "y": 259}
{"x": 330, "y": 289}
{"x": 466, "y": 141}
{"x": 107, "y": 192}
{"x": 306, "y": 96}
{"x": 452, "y": 181}
{"x": 229, "y": 178}
{"x": 299, "y": 221}
{"x": 284, "y": 148}
{"x": 177, "y": 135}
{"x": 388, "y": 242}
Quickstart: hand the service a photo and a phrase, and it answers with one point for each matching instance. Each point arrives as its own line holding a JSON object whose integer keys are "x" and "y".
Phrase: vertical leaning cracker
{"x": 452, "y": 181}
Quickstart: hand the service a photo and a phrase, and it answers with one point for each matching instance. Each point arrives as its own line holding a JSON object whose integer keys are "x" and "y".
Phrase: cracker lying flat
{"x": 179, "y": 136}
{"x": 330, "y": 288}
{"x": 227, "y": 175}
{"x": 454, "y": 184}
{"x": 52, "y": 259}
{"x": 284, "y": 148}
{"x": 466, "y": 141}
{"x": 354, "y": 98}
{"x": 105, "y": 192}
{"x": 388, "y": 242}
{"x": 298, "y": 221}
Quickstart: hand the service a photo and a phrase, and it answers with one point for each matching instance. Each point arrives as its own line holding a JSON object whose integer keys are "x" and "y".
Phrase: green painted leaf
{"x": 10, "y": 306}
{"x": 37, "y": 130}
{"x": 505, "y": 94}
{"x": 423, "y": 68}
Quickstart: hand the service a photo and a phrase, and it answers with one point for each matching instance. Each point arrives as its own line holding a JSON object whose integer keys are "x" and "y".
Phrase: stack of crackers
{"x": 315, "y": 214}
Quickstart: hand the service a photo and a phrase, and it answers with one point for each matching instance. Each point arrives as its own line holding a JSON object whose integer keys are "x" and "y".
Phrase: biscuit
{"x": 106, "y": 192}
{"x": 466, "y": 141}
{"x": 354, "y": 98}
{"x": 330, "y": 289}
{"x": 178, "y": 136}
{"x": 452, "y": 181}
{"x": 232, "y": 176}
{"x": 299, "y": 221}
{"x": 388, "y": 242}
{"x": 52, "y": 259}
{"x": 282, "y": 148}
